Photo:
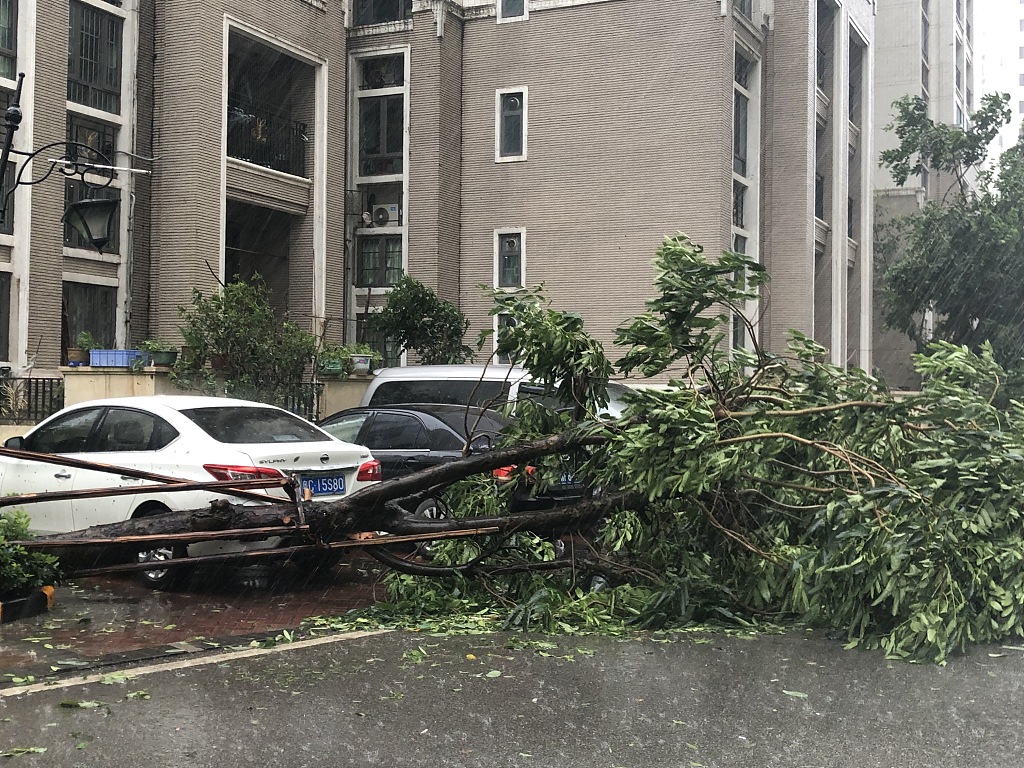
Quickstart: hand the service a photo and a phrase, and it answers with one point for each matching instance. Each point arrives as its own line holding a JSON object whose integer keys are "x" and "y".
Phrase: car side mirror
{"x": 17, "y": 443}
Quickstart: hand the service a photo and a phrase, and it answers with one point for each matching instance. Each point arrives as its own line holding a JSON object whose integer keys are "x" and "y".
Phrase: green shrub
{"x": 22, "y": 569}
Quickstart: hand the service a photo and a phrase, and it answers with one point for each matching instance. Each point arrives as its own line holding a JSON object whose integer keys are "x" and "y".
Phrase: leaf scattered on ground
{"x": 81, "y": 704}
{"x": 796, "y": 694}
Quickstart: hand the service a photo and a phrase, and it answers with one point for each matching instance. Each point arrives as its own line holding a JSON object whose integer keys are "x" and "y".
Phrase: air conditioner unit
{"x": 386, "y": 215}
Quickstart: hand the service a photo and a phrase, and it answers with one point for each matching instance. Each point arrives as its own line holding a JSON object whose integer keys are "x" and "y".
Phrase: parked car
{"x": 191, "y": 438}
{"x": 478, "y": 385}
{"x": 411, "y": 437}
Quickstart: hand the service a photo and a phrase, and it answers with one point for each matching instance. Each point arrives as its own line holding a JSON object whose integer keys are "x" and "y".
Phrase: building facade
{"x": 333, "y": 147}
{"x": 928, "y": 47}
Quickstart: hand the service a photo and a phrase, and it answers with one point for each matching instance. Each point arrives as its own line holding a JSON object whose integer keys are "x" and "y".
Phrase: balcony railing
{"x": 259, "y": 136}
{"x": 29, "y": 400}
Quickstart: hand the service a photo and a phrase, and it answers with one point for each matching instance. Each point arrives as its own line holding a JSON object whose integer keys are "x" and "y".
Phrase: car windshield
{"x": 244, "y": 424}
{"x": 452, "y": 391}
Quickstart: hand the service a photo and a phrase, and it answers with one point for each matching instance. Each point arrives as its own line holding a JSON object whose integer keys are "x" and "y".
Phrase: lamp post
{"x": 93, "y": 217}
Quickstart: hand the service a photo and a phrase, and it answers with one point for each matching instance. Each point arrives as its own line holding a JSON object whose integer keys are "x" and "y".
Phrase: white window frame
{"x": 498, "y": 157}
{"x": 355, "y": 62}
{"x": 498, "y": 234}
{"x": 357, "y": 181}
{"x": 752, "y": 202}
{"x": 502, "y": 19}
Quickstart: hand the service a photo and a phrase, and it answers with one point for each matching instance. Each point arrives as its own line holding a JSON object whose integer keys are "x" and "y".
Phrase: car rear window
{"x": 236, "y": 424}
{"x": 453, "y": 391}
{"x": 476, "y": 422}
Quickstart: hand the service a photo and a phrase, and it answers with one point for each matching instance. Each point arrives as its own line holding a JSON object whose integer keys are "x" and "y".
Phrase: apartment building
{"x": 928, "y": 49}
{"x": 332, "y": 147}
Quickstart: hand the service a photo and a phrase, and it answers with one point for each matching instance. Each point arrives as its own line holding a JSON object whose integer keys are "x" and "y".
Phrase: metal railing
{"x": 303, "y": 400}
{"x": 259, "y": 136}
{"x": 29, "y": 400}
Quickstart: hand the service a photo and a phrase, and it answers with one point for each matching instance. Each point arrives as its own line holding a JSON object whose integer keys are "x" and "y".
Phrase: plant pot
{"x": 361, "y": 363}
{"x": 331, "y": 368}
{"x": 163, "y": 357}
{"x": 78, "y": 356}
{"x": 30, "y": 602}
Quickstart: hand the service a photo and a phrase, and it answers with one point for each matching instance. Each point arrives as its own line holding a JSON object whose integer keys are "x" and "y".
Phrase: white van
{"x": 480, "y": 385}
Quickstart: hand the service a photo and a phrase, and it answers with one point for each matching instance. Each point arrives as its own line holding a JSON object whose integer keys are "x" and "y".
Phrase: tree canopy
{"x": 958, "y": 263}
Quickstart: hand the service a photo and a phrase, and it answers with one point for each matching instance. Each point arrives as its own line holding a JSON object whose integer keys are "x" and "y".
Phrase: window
{"x": 382, "y": 72}
{"x": 9, "y": 39}
{"x": 90, "y": 307}
{"x": 510, "y": 125}
{"x": 740, "y": 107}
{"x": 739, "y": 202}
{"x": 925, "y": 29}
{"x": 379, "y": 260}
{"x": 819, "y": 196}
{"x": 509, "y": 267}
{"x": 502, "y": 322}
{"x": 253, "y": 424}
{"x": 94, "y": 58}
{"x": 68, "y": 434}
{"x": 744, "y": 6}
{"x": 512, "y": 10}
{"x": 75, "y": 190}
{"x": 381, "y": 11}
{"x": 100, "y": 137}
{"x": 124, "y": 429}
{"x": 381, "y": 135}
{"x": 7, "y": 225}
{"x": 5, "y": 315}
{"x": 390, "y": 351}
{"x": 395, "y": 432}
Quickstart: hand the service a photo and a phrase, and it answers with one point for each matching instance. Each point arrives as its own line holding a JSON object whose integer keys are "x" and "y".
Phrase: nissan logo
{"x": 324, "y": 459}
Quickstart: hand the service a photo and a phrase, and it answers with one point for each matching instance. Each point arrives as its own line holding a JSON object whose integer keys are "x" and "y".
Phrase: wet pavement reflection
{"x": 109, "y": 620}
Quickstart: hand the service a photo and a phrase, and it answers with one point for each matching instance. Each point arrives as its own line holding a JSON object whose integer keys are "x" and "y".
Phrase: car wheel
{"x": 161, "y": 578}
{"x": 434, "y": 509}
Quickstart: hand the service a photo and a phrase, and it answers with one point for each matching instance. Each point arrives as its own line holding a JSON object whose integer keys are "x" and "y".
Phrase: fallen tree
{"x": 751, "y": 488}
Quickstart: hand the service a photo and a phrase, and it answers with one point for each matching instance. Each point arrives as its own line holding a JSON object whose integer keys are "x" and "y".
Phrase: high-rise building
{"x": 927, "y": 47}
{"x": 333, "y": 147}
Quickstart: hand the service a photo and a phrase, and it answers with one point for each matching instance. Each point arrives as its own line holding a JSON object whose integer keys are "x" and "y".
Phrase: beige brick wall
{"x": 629, "y": 139}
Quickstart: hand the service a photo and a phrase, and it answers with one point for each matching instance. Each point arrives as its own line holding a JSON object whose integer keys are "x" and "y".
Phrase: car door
{"x": 125, "y": 437}
{"x": 397, "y": 440}
{"x": 67, "y": 434}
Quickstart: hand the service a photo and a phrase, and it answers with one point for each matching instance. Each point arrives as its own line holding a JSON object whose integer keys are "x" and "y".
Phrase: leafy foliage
{"x": 775, "y": 489}
{"x": 420, "y": 321}
{"x": 960, "y": 260}
{"x": 257, "y": 355}
{"x": 22, "y": 569}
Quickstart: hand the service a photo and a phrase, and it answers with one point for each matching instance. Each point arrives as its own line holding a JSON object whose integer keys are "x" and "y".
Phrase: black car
{"x": 408, "y": 438}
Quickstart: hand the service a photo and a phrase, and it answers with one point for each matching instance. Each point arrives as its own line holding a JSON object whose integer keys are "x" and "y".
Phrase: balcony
{"x": 258, "y": 134}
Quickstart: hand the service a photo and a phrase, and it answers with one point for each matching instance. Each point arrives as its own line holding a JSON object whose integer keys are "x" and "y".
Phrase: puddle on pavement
{"x": 100, "y": 617}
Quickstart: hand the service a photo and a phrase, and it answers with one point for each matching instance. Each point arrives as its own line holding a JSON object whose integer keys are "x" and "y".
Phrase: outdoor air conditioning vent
{"x": 388, "y": 215}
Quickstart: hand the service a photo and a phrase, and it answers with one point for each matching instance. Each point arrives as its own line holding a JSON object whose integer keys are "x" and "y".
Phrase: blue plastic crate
{"x": 114, "y": 358}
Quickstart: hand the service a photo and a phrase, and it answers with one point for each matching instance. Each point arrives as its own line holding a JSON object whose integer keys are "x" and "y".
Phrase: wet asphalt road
{"x": 405, "y": 699}
{"x": 119, "y": 676}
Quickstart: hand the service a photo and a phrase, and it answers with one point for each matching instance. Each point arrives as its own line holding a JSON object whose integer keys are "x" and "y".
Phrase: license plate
{"x": 324, "y": 485}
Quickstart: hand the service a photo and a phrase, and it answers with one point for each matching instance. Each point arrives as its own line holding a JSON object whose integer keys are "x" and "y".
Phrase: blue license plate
{"x": 324, "y": 485}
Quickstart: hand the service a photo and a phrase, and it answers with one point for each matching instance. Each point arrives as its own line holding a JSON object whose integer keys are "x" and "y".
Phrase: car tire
{"x": 434, "y": 509}
{"x": 164, "y": 579}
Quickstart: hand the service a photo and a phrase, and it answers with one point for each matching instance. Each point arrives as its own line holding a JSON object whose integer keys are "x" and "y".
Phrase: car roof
{"x": 172, "y": 402}
{"x": 486, "y": 372}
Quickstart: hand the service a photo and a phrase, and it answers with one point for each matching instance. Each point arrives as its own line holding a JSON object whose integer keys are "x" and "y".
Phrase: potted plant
{"x": 345, "y": 359}
{"x": 79, "y": 354}
{"x": 27, "y": 577}
{"x": 159, "y": 352}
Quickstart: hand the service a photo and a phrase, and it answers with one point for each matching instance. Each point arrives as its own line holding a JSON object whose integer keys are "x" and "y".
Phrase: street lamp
{"x": 92, "y": 218}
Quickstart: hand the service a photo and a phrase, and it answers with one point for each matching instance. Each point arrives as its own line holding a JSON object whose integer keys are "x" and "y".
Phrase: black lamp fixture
{"x": 93, "y": 218}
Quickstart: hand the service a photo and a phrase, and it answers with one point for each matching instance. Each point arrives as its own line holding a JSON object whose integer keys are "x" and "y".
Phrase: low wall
{"x": 86, "y": 383}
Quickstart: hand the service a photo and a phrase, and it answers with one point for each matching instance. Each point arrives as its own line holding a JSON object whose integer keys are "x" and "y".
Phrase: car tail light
{"x": 504, "y": 474}
{"x": 231, "y": 472}
{"x": 369, "y": 472}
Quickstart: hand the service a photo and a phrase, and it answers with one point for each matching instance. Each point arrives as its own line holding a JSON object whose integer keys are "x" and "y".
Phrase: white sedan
{"x": 185, "y": 437}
